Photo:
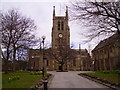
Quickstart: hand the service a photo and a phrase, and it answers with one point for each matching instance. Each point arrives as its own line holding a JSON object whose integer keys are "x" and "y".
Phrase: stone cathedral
{"x": 60, "y": 37}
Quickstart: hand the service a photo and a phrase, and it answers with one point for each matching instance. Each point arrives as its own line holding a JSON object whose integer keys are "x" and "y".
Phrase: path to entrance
{"x": 72, "y": 80}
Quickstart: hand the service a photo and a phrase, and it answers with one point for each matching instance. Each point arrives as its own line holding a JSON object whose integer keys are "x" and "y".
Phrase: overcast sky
{"x": 41, "y": 12}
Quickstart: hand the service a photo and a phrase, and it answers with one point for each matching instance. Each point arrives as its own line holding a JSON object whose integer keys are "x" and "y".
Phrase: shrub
{"x": 105, "y": 72}
{"x": 13, "y": 78}
{"x": 35, "y": 73}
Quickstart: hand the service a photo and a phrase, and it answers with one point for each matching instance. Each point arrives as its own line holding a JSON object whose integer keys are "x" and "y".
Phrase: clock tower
{"x": 60, "y": 30}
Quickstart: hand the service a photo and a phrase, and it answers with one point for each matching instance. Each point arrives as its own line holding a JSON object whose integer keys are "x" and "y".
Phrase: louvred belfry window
{"x": 58, "y": 25}
{"x": 62, "y": 25}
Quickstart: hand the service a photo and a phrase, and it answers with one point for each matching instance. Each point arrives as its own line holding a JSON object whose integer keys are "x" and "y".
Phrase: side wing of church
{"x": 106, "y": 55}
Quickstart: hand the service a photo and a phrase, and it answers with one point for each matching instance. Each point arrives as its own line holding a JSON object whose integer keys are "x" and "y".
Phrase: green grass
{"x": 111, "y": 76}
{"x": 19, "y": 79}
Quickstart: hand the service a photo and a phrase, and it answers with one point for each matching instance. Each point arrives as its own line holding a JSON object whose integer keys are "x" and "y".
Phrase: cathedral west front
{"x": 60, "y": 55}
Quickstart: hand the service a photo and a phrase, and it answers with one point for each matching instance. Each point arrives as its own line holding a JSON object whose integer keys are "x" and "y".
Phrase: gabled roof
{"x": 108, "y": 41}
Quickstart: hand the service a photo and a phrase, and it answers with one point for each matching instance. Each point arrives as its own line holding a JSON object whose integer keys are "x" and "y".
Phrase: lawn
{"x": 111, "y": 76}
{"x": 20, "y": 79}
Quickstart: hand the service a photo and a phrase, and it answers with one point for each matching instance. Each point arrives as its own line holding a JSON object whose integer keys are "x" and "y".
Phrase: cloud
{"x": 35, "y": 0}
{"x": 41, "y": 12}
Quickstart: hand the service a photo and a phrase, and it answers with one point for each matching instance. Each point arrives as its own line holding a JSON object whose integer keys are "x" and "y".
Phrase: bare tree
{"x": 62, "y": 55}
{"x": 16, "y": 33}
{"x": 100, "y": 17}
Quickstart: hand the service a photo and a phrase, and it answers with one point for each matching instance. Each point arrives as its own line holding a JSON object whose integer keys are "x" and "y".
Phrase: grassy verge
{"x": 20, "y": 79}
{"x": 111, "y": 76}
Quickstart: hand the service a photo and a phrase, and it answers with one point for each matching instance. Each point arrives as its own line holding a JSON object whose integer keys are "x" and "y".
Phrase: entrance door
{"x": 60, "y": 68}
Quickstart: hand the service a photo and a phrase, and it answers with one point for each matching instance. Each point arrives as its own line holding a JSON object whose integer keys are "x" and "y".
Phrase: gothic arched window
{"x": 62, "y": 25}
{"x": 47, "y": 63}
{"x": 74, "y": 62}
{"x": 58, "y": 25}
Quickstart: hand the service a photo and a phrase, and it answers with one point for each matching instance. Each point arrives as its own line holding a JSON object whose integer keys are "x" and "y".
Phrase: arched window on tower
{"x": 58, "y": 25}
{"x": 60, "y": 41}
{"x": 62, "y": 25}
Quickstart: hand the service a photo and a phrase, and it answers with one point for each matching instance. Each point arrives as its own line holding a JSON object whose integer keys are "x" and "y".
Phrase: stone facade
{"x": 82, "y": 61}
{"x": 35, "y": 59}
{"x": 60, "y": 38}
{"x": 106, "y": 55}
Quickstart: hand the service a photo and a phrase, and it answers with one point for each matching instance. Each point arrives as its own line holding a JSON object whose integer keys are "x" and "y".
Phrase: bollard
{"x": 45, "y": 85}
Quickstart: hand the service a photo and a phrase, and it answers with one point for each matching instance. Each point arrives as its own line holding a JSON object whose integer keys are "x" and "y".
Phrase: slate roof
{"x": 108, "y": 41}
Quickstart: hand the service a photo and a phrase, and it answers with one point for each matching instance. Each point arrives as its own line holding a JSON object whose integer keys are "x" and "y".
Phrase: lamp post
{"x": 43, "y": 71}
{"x": 45, "y": 82}
{"x": 40, "y": 55}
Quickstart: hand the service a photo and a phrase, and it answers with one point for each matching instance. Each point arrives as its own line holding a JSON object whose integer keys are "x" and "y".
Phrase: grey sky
{"x": 41, "y": 12}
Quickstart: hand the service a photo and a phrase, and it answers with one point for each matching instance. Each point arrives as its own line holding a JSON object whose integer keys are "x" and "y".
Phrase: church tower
{"x": 60, "y": 30}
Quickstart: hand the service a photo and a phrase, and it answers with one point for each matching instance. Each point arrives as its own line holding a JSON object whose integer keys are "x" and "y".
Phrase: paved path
{"x": 72, "y": 80}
